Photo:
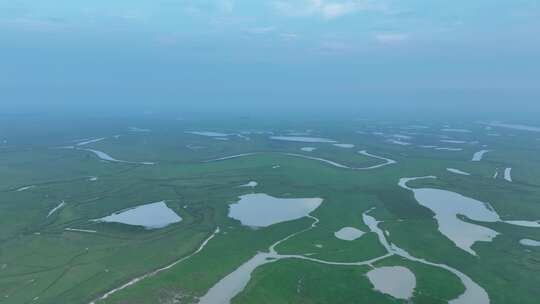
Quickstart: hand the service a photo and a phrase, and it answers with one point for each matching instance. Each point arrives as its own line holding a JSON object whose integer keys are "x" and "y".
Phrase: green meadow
{"x": 66, "y": 257}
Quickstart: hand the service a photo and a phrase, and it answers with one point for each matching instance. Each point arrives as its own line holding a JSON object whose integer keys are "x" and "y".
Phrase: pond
{"x": 150, "y": 216}
{"x": 397, "y": 281}
{"x": 263, "y": 210}
{"x": 348, "y": 233}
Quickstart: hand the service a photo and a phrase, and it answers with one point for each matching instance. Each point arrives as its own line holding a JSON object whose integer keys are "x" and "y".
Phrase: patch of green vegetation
{"x": 42, "y": 262}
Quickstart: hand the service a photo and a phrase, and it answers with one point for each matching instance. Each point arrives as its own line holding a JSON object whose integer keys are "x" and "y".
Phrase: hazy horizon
{"x": 316, "y": 54}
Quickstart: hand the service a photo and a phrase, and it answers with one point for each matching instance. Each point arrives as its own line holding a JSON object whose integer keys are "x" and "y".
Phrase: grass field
{"x": 42, "y": 262}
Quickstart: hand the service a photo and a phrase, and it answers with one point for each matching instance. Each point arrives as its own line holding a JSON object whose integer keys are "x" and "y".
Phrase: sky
{"x": 284, "y": 49}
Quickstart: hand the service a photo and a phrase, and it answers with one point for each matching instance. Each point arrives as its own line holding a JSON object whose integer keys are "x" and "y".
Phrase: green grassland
{"x": 42, "y": 262}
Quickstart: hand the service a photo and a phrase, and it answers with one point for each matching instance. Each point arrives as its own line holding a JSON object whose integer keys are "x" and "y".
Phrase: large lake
{"x": 397, "y": 281}
{"x": 150, "y": 216}
{"x": 448, "y": 206}
{"x": 262, "y": 210}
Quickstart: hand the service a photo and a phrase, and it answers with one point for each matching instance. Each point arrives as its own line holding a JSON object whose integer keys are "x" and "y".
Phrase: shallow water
{"x": 397, "y": 281}
{"x": 348, "y": 233}
{"x": 136, "y": 129}
{"x": 399, "y": 142}
{"x": 157, "y": 271}
{"x": 303, "y": 139}
{"x": 150, "y": 216}
{"x": 336, "y": 164}
{"x": 529, "y": 242}
{"x": 104, "y": 156}
{"x": 456, "y": 130}
{"x": 80, "y": 230}
{"x": 449, "y": 149}
{"x": 262, "y": 210}
{"x": 230, "y": 157}
{"x": 387, "y": 161}
{"x": 516, "y": 126}
{"x": 416, "y": 127}
{"x": 208, "y": 133}
{"x": 90, "y": 141}
{"x": 235, "y": 282}
{"x": 473, "y": 292}
{"x": 479, "y": 155}
{"x": 448, "y": 205}
{"x": 531, "y": 224}
{"x": 25, "y": 188}
{"x": 347, "y": 146}
{"x": 251, "y": 184}
{"x": 402, "y": 136}
{"x": 53, "y": 210}
{"x": 508, "y": 174}
{"x": 457, "y": 171}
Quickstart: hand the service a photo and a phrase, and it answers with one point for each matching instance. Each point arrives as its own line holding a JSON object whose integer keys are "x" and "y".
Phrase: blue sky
{"x": 263, "y": 45}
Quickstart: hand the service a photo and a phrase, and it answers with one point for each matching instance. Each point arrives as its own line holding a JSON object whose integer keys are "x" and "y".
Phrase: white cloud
{"x": 389, "y": 38}
{"x": 326, "y": 9}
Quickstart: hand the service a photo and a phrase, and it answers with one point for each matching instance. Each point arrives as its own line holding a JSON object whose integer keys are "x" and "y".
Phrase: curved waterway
{"x": 387, "y": 161}
{"x": 235, "y": 282}
{"x": 457, "y": 171}
{"x": 515, "y": 126}
{"x": 90, "y": 141}
{"x": 230, "y": 157}
{"x": 25, "y": 188}
{"x": 53, "y": 210}
{"x": 473, "y": 292}
{"x": 304, "y": 139}
{"x": 448, "y": 205}
{"x": 478, "y": 156}
{"x": 157, "y": 271}
{"x": 104, "y": 156}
